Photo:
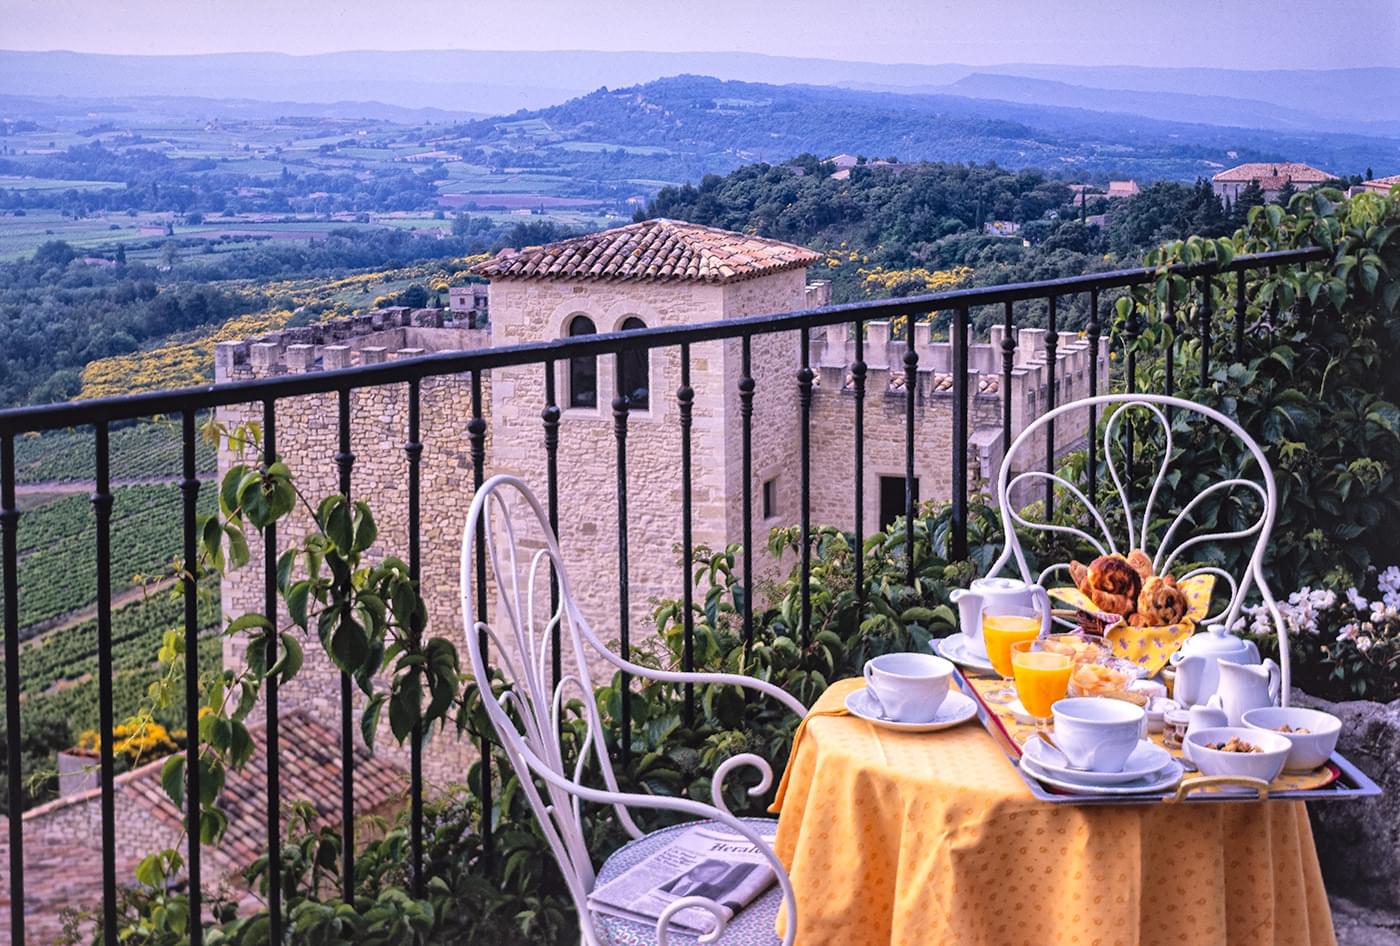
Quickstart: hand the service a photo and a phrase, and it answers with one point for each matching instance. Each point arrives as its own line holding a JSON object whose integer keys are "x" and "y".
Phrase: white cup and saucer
{"x": 1098, "y": 742}
{"x": 912, "y": 693}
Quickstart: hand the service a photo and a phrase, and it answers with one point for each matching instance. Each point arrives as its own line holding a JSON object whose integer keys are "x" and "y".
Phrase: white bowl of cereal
{"x": 1311, "y": 733}
{"x": 1238, "y": 751}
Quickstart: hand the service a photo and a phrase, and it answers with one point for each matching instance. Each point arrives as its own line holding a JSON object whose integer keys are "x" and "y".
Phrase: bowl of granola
{"x": 1238, "y": 751}
{"x": 1312, "y": 734}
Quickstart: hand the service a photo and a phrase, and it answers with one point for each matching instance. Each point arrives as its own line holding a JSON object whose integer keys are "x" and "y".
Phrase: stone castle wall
{"x": 513, "y": 401}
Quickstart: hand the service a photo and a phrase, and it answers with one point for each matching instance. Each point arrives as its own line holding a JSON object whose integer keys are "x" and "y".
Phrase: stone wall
{"x": 513, "y": 399}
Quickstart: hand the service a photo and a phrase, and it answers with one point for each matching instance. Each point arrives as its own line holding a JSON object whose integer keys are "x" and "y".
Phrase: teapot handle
{"x": 1042, "y": 597}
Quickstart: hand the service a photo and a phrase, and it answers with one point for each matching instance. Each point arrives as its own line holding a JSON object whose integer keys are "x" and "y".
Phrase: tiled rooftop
{"x": 1282, "y": 170}
{"x": 653, "y": 250}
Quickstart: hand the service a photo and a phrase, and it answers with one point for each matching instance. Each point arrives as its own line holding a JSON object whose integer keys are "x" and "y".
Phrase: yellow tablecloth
{"x": 935, "y": 839}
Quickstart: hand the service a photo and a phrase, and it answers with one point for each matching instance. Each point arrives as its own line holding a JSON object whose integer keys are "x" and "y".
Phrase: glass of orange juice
{"x": 1004, "y": 626}
{"x": 1041, "y": 675}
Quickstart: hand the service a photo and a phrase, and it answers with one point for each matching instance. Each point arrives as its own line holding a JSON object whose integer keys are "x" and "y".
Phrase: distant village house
{"x": 1271, "y": 178}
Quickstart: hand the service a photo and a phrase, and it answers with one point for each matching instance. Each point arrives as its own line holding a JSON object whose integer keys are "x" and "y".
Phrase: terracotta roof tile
{"x": 653, "y": 250}
{"x": 1263, "y": 171}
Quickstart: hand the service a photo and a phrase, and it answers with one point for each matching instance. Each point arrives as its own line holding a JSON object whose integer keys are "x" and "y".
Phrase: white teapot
{"x": 991, "y": 593}
{"x": 1197, "y": 664}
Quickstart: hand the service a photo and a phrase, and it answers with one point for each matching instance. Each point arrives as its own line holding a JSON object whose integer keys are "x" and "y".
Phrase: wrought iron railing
{"x": 187, "y": 403}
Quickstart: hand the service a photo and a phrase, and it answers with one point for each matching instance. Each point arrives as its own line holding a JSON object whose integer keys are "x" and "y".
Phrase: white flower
{"x": 1322, "y": 599}
{"x": 1389, "y": 580}
{"x": 1347, "y": 632}
{"x": 1356, "y": 601}
{"x": 1363, "y": 643}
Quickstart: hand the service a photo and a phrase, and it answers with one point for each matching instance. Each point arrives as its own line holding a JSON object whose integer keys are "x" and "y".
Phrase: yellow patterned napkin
{"x": 1150, "y": 647}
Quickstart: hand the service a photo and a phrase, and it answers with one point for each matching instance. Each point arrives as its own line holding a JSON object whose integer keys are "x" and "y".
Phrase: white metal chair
{"x": 1139, "y": 532}
{"x": 520, "y": 650}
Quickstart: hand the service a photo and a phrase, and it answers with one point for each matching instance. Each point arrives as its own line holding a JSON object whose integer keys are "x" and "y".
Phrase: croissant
{"x": 1112, "y": 584}
{"x": 1159, "y": 602}
{"x": 1141, "y": 563}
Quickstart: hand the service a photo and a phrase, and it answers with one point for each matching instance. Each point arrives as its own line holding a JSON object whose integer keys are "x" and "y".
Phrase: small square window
{"x": 770, "y": 498}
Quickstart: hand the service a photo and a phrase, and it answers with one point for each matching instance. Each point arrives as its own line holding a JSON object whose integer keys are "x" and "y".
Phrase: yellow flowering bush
{"x": 134, "y": 743}
{"x": 880, "y": 279}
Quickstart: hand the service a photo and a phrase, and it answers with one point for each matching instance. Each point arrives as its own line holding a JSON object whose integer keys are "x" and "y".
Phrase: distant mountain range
{"x": 729, "y": 123}
{"x": 1358, "y": 101}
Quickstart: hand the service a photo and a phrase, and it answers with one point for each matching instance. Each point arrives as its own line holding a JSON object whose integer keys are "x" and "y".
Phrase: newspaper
{"x": 703, "y": 862}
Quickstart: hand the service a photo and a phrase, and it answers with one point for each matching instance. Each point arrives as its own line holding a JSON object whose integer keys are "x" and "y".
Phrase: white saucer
{"x": 1147, "y": 759}
{"x": 954, "y": 648}
{"x": 1161, "y": 781}
{"x": 957, "y": 707}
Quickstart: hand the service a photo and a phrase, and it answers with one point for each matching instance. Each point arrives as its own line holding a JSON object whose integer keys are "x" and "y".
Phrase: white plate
{"x": 957, "y": 707}
{"x": 1146, "y": 759}
{"x": 955, "y": 649}
{"x": 1166, "y": 779}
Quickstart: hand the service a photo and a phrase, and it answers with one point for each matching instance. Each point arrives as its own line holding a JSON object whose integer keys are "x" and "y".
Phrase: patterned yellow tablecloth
{"x": 933, "y": 838}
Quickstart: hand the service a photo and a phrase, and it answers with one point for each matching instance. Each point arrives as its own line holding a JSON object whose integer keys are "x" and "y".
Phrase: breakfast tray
{"x": 1338, "y": 779}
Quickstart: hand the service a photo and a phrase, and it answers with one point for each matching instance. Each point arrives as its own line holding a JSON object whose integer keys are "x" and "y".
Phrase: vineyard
{"x": 142, "y": 451}
{"x": 189, "y": 360}
{"x": 58, "y": 565}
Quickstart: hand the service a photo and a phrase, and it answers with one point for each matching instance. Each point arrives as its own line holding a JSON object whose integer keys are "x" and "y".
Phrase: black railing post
{"x": 958, "y": 539}
{"x": 620, "y": 406}
{"x": 550, "y": 415}
{"x": 9, "y": 551}
{"x": 685, "y": 396}
{"x": 1008, "y": 363}
{"x": 189, "y": 492}
{"x": 1093, "y": 331}
{"x": 476, "y": 435}
{"x": 911, "y": 381}
{"x": 1207, "y": 313}
{"x": 1052, "y": 342}
{"x": 270, "y": 691}
{"x": 102, "y": 508}
{"x": 804, "y": 400}
{"x": 413, "y": 451}
{"x": 858, "y": 385}
{"x": 746, "y": 386}
{"x": 345, "y": 463}
{"x": 1241, "y": 305}
{"x": 1169, "y": 362}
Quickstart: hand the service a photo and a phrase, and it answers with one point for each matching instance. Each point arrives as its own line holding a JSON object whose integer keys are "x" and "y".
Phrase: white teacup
{"x": 1097, "y": 734}
{"x": 908, "y": 688}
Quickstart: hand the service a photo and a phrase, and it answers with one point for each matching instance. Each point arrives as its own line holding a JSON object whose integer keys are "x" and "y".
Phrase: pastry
{"x": 1160, "y": 602}
{"x": 1141, "y": 563}
{"x": 1112, "y": 584}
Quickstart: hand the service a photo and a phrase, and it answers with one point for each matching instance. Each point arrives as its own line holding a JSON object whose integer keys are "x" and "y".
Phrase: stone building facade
{"x": 654, "y": 274}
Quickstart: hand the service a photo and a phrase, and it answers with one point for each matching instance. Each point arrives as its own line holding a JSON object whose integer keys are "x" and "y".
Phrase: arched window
{"x": 633, "y": 374}
{"x": 583, "y": 371}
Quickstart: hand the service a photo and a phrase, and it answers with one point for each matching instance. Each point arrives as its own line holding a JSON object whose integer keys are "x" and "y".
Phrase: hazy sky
{"x": 1239, "y": 33}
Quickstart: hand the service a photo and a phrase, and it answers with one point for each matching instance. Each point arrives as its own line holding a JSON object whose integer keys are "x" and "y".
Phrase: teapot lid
{"x": 1215, "y": 640}
{"x": 994, "y": 585}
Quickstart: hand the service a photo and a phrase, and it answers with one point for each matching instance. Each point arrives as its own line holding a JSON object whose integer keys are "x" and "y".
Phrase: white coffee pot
{"x": 1197, "y": 664}
{"x": 989, "y": 594}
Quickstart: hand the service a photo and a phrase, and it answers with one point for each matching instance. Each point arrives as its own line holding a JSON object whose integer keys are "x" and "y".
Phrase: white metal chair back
{"x": 520, "y": 639}
{"x": 1137, "y": 523}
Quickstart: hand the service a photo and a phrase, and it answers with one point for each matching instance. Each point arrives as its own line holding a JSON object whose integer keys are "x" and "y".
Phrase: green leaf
{"x": 338, "y": 528}
{"x": 172, "y": 779}
{"x": 369, "y": 719}
{"x": 297, "y": 598}
{"x": 289, "y": 664}
{"x": 349, "y": 644}
{"x": 248, "y": 621}
{"x": 365, "y": 529}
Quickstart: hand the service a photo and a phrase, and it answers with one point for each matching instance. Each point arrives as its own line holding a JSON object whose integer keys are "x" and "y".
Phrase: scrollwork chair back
{"x": 1164, "y": 547}
{"x": 520, "y": 639}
